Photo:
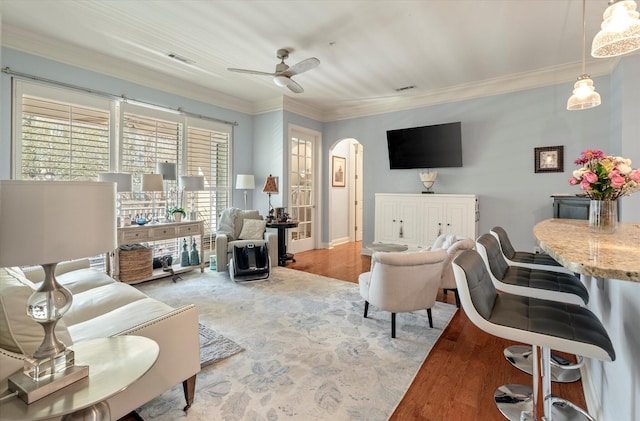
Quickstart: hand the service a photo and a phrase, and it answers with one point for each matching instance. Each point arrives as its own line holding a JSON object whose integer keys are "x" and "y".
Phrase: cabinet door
{"x": 432, "y": 221}
{"x": 407, "y": 225}
{"x": 459, "y": 217}
{"x": 386, "y": 224}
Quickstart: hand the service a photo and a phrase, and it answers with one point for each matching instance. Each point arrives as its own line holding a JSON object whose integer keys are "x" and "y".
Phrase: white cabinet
{"x": 416, "y": 220}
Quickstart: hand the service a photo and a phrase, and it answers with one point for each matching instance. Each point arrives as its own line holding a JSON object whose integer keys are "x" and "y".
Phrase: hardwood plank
{"x": 466, "y": 365}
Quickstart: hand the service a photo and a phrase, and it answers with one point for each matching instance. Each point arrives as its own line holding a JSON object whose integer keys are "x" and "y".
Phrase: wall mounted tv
{"x": 436, "y": 146}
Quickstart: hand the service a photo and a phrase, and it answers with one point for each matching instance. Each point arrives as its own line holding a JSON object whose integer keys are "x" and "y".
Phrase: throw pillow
{"x": 18, "y": 332}
{"x": 253, "y": 229}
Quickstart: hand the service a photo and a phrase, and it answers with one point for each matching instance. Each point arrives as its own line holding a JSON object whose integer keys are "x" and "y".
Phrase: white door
{"x": 302, "y": 189}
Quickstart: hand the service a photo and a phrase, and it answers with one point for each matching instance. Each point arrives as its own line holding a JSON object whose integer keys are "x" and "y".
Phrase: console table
{"x": 114, "y": 364}
{"x": 282, "y": 227}
{"x": 156, "y": 232}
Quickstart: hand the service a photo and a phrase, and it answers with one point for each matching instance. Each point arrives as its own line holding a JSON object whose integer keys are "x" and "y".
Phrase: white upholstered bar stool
{"x": 543, "y": 324}
{"x": 549, "y": 285}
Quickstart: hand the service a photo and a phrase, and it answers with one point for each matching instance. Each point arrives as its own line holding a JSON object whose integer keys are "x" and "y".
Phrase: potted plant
{"x": 177, "y": 213}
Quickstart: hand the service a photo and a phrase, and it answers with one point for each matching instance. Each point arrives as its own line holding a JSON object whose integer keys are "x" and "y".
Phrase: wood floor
{"x": 458, "y": 378}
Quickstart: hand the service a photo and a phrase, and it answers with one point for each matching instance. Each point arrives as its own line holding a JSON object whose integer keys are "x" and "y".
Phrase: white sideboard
{"x": 156, "y": 232}
{"x": 416, "y": 220}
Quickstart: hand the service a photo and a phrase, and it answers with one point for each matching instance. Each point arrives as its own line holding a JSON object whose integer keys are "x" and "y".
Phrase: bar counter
{"x": 609, "y": 267}
{"x": 569, "y": 241}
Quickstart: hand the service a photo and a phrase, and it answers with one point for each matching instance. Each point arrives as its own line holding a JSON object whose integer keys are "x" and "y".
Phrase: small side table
{"x": 282, "y": 227}
{"x": 114, "y": 364}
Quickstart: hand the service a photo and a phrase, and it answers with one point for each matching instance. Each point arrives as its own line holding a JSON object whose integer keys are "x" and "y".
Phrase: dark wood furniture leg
{"x": 189, "y": 387}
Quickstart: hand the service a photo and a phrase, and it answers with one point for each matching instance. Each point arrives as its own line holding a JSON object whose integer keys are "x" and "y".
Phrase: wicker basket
{"x": 135, "y": 263}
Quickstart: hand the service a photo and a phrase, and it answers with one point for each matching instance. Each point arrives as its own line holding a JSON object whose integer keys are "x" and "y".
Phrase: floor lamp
{"x": 152, "y": 183}
{"x": 123, "y": 185}
{"x": 46, "y": 222}
{"x": 192, "y": 183}
{"x": 245, "y": 182}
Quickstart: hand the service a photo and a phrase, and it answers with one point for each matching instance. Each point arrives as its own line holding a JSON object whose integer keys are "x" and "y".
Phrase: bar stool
{"x": 524, "y": 258}
{"x": 543, "y": 324}
{"x": 537, "y": 283}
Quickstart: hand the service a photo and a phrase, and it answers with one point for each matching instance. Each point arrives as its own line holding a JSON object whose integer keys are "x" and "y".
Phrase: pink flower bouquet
{"x": 605, "y": 177}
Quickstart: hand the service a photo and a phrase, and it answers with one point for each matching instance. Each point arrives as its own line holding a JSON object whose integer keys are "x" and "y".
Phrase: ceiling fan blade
{"x": 303, "y": 66}
{"x": 286, "y": 82}
{"x": 251, "y": 72}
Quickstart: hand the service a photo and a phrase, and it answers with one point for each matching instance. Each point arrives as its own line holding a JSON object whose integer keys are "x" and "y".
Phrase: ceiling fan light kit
{"x": 283, "y": 74}
{"x": 620, "y": 30}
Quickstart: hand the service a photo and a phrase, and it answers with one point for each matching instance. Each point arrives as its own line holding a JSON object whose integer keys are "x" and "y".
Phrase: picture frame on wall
{"x": 549, "y": 159}
{"x": 338, "y": 171}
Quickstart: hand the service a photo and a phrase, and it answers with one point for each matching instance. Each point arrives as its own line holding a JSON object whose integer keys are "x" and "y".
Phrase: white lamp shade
{"x": 245, "y": 181}
{"x": 152, "y": 182}
{"x": 52, "y": 221}
{"x": 167, "y": 170}
{"x": 192, "y": 182}
{"x": 620, "y": 31}
{"x": 122, "y": 180}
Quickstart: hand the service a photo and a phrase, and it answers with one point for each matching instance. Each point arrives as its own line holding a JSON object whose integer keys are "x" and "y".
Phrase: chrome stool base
{"x": 514, "y": 399}
{"x": 520, "y": 356}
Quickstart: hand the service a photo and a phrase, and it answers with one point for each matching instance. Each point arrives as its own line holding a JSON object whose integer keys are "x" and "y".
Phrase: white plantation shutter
{"x": 208, "y": 155}
{"x": 62, "y": 141}
{"x": 73, "y": 135}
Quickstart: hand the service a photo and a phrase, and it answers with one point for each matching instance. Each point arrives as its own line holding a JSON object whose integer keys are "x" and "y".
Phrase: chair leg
{"x": 366, "y": 308}
{"x": 393, "y": 325}
{"x": 455, "y": 292}
{"x": 430, "y": 318}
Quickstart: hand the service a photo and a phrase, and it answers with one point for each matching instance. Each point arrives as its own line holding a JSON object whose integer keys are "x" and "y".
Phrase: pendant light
{"x": 620, "y": 30}
{"x": 584, "y": 94}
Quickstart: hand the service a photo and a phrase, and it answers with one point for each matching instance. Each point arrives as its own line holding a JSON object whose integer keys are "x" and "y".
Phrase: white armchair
{"x": 454, "y": 245}
{"x": 232, "y": 231}
{"x": 402, "y": 282}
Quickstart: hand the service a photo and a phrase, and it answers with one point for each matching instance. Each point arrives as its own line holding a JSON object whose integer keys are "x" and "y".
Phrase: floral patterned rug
{"x": 309, "y": 354}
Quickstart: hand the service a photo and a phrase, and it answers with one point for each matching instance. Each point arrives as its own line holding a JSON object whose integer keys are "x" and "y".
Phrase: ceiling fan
{"x": 283, "y": 73}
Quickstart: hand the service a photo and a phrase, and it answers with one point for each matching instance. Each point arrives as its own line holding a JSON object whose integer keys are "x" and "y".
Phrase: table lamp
{"x": 123, "y": 184}
{"x": 152, "y": 183}
{"x": 168, "y": 172}
{"x": 46, "y": 222}
{"x": 245, "y": 182}
{"x": 192, "y": 183}
{"x": 270, "y": 187}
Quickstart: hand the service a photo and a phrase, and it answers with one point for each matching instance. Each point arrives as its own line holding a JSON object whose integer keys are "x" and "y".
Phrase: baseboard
{"x": 339, "y": 241}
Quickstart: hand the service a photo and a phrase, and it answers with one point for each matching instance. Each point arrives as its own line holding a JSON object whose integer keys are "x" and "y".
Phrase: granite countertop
{"x": 614, "y": 256}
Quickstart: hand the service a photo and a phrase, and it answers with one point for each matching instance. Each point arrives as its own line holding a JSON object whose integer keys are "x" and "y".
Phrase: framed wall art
{"x": 338, "y": 171}
{"x": 549, "y": 159}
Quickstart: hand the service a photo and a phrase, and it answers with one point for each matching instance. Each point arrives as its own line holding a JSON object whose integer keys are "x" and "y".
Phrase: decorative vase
{"x": 603, "y": 216}
{"x": 177, "y": 217}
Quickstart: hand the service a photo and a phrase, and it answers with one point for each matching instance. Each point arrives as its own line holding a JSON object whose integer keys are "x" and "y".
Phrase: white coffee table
{"x": 114, "y": 364}
{"x": 386, "y": 247}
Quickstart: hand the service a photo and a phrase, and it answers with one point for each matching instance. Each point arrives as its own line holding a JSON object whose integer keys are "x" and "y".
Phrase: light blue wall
{"x": 499, "y": 135}
{"x": 269, "y": 146}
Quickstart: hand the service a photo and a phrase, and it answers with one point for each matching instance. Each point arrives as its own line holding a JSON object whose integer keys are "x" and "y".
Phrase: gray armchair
{"x": 232, "y": 231}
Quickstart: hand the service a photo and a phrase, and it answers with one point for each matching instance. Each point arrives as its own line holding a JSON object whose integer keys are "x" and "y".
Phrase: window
{"x": 67, "y": 135}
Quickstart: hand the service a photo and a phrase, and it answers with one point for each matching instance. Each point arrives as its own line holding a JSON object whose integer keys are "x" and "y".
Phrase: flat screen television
{"x": 436, "y": 146}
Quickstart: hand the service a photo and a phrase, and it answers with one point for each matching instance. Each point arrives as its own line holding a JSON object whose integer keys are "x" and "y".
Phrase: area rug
{"x": 309, "y": 354}
{"x": 215, "y": 347}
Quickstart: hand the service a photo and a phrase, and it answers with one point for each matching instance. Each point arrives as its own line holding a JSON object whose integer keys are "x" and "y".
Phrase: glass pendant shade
{"x": 584, "y": 95}
{"x": 620, "y": 30}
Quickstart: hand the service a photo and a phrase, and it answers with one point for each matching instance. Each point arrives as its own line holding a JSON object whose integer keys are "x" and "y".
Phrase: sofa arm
{"x": 221, "y": 252}
{"x": 272, "y": 245}
{"x": 177, "y": 334}
{"x": 36, "y": 274}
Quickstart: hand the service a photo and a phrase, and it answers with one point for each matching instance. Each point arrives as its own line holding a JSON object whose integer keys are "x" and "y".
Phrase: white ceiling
{"x": 448, "y": 49}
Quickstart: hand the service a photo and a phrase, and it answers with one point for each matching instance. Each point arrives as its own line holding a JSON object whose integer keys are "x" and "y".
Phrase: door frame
{"x": 317, "y": 185}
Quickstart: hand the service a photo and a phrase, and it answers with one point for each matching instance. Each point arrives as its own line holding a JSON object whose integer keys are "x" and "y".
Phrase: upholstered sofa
{"x": 233, "y": 231}
{"x": 102, "y": 307}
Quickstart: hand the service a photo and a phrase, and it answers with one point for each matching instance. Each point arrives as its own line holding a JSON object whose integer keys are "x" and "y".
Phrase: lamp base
{"x": 30, "y": 390}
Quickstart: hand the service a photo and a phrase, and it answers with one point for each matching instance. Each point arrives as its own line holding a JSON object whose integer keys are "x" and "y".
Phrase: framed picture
{"x": 338, "y": 171}
{"x": 549, "y": 159}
